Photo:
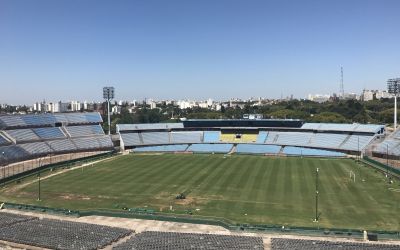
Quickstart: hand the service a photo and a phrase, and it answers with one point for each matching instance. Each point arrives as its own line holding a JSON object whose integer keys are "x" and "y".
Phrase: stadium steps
{"x": 345, "y": 140}
{"x": 141, "y": 138}
{"x": 169, "y": 137}
{"x": 65, "y": 132}
{"x": 7, "y": 138}
{"x": 276, "y": 138}
{"x": 233, "y": 149}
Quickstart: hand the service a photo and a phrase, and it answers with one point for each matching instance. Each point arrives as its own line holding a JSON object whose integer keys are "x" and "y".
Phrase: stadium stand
{"x": 130, "y": 139}
{"x": 47, "y": 120}
{"x": 62, "y": 146}
{"x": 356, "y": 142}
{"x": 239, "y": 138}
{"x": 150, "y": 138}
{"x": 227, "y": 137}
{"x": 187, "y": 137}
{"x": 249, "y": 137}
{"x": 288, "y": 150}
{"x": 21, "y": 135}
{"x": 56, "y": 234}
{"x": 327, "y": 140}
{"x": 49, "y": 133}
{"x": 36, "y": 148}
{"x": 301, "y": 244}
{"x": 43, "y": 134}
{"x": 211, "y": 136}
{"x": 180, "y": 241}
{"x": 262, "y": 136}
{"x": 212, "y": 148}
{"x": 89, "y": 130}
{"x": 367, "y": 128}
{"x": 163, "y": 148}
{"x": 12, "y": 153}
{"x": 3, "y": 141}
{"x": 148, "y": 126}
{"x": 390, "y": 146}
{"x": 293, "y": 138}
{"x": 257, "y": 149}
{"x": 348, "y": 138}
{"x": 8, "y": 219}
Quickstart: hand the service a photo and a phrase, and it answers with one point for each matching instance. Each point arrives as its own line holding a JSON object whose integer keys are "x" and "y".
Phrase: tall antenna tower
{"x": 341, "y": 83}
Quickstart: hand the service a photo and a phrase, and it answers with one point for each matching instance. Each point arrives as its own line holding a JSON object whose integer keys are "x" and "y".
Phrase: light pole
{"x": 316, "y": 195}
{"x": 39, "y": 191}
{"x": 108, "y": 94}
{"x": 4, "y": 168}
{"x": 387, "y": 161}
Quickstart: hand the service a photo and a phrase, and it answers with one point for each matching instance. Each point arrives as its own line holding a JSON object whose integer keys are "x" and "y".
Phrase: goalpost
{"x": 352, "y": 176}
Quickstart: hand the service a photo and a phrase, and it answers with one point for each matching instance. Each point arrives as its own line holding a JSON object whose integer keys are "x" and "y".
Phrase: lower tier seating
{"x": 181, "y": 241}
{"x": 300, "y": 244}
{"x": 257, "y": 149}
{"x": 56, "y": 234}
{"x": 211, "y": 148}
{"x": 164, "y": 148}
{"x": 311, "y": 152}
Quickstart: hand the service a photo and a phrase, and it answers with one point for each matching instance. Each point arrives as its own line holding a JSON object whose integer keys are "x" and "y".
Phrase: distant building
{"x": 116, "y": 109}
{"x": 369, "y": 95}
{"x": 318, "y": 98}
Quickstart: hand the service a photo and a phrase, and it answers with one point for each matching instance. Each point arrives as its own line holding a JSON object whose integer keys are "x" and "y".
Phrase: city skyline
{"x": 194, "y": 50}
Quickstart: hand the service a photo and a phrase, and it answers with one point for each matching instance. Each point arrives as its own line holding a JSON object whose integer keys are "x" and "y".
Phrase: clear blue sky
{"x": 63, "y": 50}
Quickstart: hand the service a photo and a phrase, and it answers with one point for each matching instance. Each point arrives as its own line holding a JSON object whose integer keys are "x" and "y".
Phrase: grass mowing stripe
{"x": 271, "y": 190}
{"x": 250, "y": 195}
{"x": 211, "y": 183}
{"x": 225, "y": 184}
{"x": 181, "y": 175}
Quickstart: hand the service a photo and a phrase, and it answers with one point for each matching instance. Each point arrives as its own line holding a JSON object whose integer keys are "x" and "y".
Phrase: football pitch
{"x": 238, "y": 188}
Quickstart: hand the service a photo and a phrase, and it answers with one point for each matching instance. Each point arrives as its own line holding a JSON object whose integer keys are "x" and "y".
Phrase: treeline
{"x": 343, "y": 111}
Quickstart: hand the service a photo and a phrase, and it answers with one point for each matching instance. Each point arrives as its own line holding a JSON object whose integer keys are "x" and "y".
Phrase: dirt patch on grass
{"x": 74, "y": 197}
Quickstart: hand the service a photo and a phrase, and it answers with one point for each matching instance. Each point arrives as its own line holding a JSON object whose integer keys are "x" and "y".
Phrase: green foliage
{"x": 328, "y": 117}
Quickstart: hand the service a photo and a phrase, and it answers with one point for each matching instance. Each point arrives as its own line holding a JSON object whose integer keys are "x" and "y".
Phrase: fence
{"x": 21, "y": 170}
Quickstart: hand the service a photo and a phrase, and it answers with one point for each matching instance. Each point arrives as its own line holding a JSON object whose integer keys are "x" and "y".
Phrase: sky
{"x": 194, "y": 49}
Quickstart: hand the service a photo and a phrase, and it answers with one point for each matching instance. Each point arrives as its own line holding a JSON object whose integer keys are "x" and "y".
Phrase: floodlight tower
{"x": 108, "y": 94}
{"x": 393, "y": 86}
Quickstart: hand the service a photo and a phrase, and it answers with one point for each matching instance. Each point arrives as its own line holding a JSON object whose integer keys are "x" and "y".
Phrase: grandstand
{"x": 24, "y": 137}
{"x": 301, "y": 244}
{"x": 326, "y": 137}
{"x": 180, "y": 241}
{"x": 57, "y": 234}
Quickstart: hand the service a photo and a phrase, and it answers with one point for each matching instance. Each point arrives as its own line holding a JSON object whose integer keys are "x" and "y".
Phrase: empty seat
{"x": 155, "y": 138}
{"x": 60, "y": 146}
{"x": 186, "y": 137}
{"x": 130, "y": 139}
{"x": 21, "y": 135}
{"x": 49, "y": 133}
{"x": 87, "y": 130}
{"x": 36, "y": 148}
{"x": 163, "y": 148}
{"x": 211, "y": 148}
{"x": 257, "y": 149}
{"x": 211, "y": 136}
{"x": 181, "y": 241}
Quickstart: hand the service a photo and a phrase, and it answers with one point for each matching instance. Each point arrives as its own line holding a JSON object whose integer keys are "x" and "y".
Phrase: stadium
{"x": 197, "y": 184}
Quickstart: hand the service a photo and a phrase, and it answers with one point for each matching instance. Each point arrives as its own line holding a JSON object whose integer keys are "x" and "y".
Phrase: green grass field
{"x": 239, "y": 188}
